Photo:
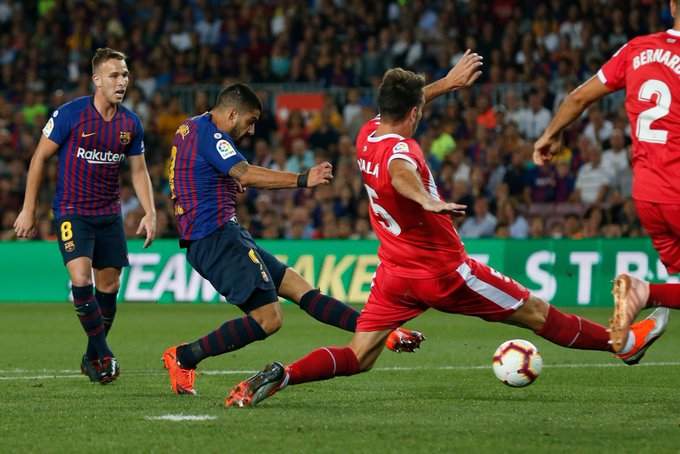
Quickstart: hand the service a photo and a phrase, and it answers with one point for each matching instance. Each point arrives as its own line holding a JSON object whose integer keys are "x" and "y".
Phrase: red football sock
{"x": 666, "y": 295}
{"x": 572, "y": 331}
{"x": 322, "y": 364}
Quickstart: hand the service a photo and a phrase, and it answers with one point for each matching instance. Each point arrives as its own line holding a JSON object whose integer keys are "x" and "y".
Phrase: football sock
{"x": 107, "y": 303}
{"x": 329, "y": 310}
{"x": 90, "y": 317}
{"x": 666, "y": 295}
{"x": 231, "y": 336}
{"x": 572, "y": 331}
{"x": 322, "y": 364}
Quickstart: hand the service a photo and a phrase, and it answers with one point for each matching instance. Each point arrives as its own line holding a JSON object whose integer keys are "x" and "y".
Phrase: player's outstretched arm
{"x": 406, "y": 180}
{"x": 141, "y": 182}
{"x": 24, "y": 226}
{"x": 463, "y": 74}
{"x": 260, "y": 177}
{"x": 576, "y": 102}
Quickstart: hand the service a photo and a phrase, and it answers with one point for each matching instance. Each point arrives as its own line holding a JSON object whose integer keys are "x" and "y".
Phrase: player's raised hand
{"x": 439, "y": 206}
{"x": 24, "y": 225}
{"x": 545, "y": 148}
{"x": 148, "y": 225}
{"x": 320, "y": 174}
{"x": 466, "y": 71}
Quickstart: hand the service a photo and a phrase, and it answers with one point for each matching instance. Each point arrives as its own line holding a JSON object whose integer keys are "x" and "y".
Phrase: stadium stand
{"x": 478, "y": 142}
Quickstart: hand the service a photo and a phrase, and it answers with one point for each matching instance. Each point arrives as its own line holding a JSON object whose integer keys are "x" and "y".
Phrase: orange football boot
{"x": 646, "y": 332}
{"x": 181, "y": 379}
{"x": 630, "y": 297}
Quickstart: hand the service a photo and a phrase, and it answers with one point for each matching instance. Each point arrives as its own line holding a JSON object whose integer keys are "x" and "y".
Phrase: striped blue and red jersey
{"x": 203, "y": 193}
{"x": 90, "y": 154}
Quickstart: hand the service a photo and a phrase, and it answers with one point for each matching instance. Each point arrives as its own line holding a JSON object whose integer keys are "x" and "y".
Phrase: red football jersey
{"x": 648, "y": 67}
{"x": 413, "y": 242}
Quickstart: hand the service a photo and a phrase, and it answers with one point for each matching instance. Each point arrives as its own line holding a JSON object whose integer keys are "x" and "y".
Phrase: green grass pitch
{"x": 444, "y": 398}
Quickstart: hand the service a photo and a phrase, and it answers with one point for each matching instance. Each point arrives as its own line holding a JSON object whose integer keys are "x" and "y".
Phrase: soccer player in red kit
{"x": 423, "y": 263}
{"x": 648, "y": 68}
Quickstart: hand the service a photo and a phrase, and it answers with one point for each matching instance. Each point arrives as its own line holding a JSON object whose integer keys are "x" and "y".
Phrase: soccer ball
{"x": 517, "y": 363}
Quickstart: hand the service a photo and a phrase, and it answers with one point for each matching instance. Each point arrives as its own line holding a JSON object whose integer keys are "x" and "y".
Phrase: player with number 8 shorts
{"x": 91, "y": 137}
{"x": 648, "y": 68}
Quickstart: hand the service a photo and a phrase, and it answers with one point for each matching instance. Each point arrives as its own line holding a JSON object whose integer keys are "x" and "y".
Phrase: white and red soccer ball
{"x": 517, "y": 363}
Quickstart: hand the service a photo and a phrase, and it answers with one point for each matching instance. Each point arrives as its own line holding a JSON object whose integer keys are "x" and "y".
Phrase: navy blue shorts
{"x": 239, "y": 269}
{"x": 101, "y": 238}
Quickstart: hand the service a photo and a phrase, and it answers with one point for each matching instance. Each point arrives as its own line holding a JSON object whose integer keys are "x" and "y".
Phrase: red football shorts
{"x": 662, "y": 223}
{"x": 472, "y": 289}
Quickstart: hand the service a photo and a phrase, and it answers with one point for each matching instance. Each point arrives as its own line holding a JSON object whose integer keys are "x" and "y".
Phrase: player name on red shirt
{"x": 648, "y": 68}
{"x": 413, "y": 242}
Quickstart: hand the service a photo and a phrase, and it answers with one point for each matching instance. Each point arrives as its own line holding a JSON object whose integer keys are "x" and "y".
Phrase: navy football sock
{"x": 329, "y": 310}
{"x": 90, "y": 317}
{"x": 231, "y": 336}
{"x": 107, "y": 303}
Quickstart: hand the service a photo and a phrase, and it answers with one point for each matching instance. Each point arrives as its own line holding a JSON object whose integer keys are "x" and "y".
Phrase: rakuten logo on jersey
{"x": 100, "y": 157}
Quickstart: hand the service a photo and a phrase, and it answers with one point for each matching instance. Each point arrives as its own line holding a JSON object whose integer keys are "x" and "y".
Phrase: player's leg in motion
{"x": 90, "y": 316}
{"x": 261, "y": 321}
{"x": 631, "y": 294}
{"x": 230, "y": 261}
{"x": 327, "y": 309}
{"x": 321, "y": 364}
{"x": 386, "y": 309}
{"x": 489, "y": 294}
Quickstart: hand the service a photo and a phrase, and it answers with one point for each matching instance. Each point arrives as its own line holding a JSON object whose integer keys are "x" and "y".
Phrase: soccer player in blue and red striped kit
{"x": 92, "y": 136}
{"x": 206, "y": 172}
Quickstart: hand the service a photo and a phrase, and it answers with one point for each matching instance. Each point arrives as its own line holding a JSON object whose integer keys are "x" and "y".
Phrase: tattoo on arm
{"x": 238, "y": 170}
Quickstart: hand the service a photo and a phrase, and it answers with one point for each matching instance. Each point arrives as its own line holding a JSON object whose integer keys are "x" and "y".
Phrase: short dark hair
{"x": 103, "y": 54}
{"x": 240, "y": 96}
{"x": 399, "y": 92}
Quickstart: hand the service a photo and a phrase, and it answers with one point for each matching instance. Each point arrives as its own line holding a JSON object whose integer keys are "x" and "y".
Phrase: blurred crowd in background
{"x": 478, "y": 142}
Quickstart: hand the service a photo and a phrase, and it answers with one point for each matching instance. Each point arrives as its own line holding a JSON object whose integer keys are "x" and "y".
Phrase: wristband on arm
{"x": 302, "y": 179}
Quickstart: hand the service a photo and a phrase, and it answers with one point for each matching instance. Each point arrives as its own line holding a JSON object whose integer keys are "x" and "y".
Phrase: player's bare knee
{"x": 539, "y": 313}
{"x": 81, "y": 279}
{"x": 269, "y": 317}
{"x": 109, "y": 286}
{"x": 532, "y": 314}
{"x": 272, "y": 324}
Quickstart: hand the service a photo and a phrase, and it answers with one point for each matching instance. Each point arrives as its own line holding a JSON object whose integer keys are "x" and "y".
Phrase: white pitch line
{"x": 180, "y": 418}
{"x": 57, "y": 374}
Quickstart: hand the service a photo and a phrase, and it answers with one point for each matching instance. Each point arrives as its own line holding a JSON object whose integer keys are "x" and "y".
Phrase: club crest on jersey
{"x": 225, "y": 149}
{"x": 183, "y": 130}
{"x": 125, "y": 137}
{"x": 70, "y": 246}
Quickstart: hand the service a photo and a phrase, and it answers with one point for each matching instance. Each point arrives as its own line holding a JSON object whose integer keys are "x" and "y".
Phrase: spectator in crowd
{"x": 517, "y": 225}
{"x": 599, "y": 129}
{"x": 592, "y": 181}
{"x": 301, "y": 157}
{"x": 534, "y": 118}
{"x": 482, "y": 224}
